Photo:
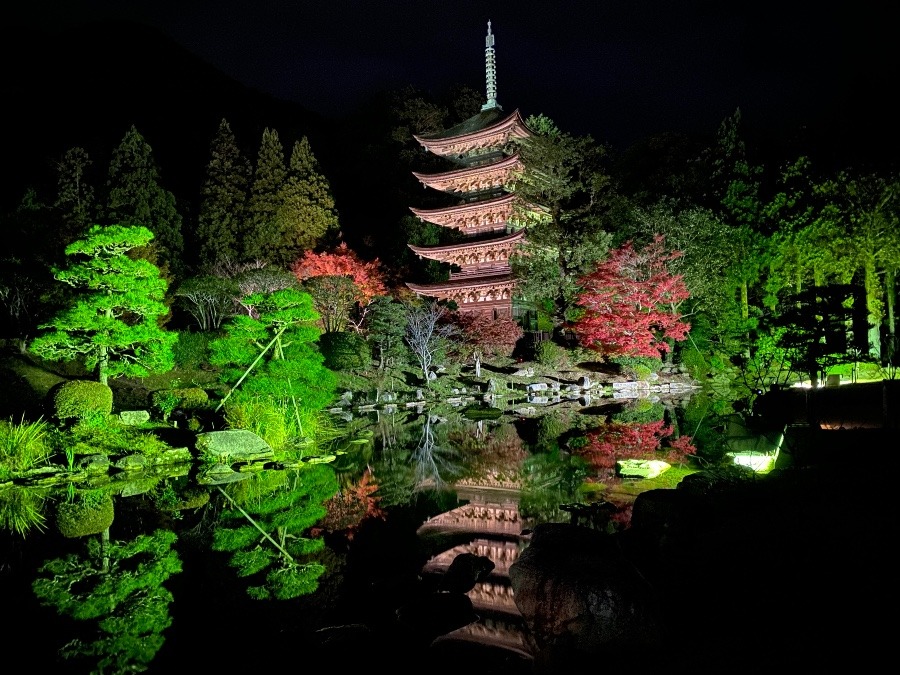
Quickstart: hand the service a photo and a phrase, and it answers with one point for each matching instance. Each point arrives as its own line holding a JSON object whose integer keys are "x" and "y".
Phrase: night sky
{"x": 619, "y": 70}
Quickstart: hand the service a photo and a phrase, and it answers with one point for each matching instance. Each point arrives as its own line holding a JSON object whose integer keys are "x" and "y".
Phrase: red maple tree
{"x": 631, "y": 303}
{"x": 334, "y": 301}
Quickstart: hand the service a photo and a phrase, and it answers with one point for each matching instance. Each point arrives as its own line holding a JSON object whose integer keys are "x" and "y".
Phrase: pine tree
{"x": 224, "y": 199}
{"x": 135, "y": 197}
{"x": 265, "y": 197}
{"x": 113, "y": 323}
{"x": 307, "y": 212}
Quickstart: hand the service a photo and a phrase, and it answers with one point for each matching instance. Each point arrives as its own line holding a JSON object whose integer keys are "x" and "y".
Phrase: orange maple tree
{"x": 344, "y": 283}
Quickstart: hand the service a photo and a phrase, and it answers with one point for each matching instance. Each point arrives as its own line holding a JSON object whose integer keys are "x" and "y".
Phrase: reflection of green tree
{"x": 264, "y": 530}
{"x": 550, "y": 479}
{"x": 128, "y": 602}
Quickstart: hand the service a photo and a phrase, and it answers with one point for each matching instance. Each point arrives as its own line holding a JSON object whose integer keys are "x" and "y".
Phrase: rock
{"x": 466, "y": 570}
{"x": 133, "y": 418}
{"x": 233, "y": 445}
{"x": 581, "y": 598}
{"x": 436, "y": 614}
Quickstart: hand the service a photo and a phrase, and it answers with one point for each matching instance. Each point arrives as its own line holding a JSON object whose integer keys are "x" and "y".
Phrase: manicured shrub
{"x": 638, "y": 367}
{"x": 82, "y": 398}
{"x": 345, "y": 351}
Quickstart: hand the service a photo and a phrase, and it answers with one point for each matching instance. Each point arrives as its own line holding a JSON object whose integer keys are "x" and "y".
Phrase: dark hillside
{"x": 86, "y": 88}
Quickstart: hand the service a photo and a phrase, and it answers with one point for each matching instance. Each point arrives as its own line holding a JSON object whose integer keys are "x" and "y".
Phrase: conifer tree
{"x": 135, "y": 197}
{"x": 306, "y": 214}
{"x": 224, "y": 199}
{"x": 265, "y": 197}
{"x": 75, "y": 196}
{"x": 113, "y": 324}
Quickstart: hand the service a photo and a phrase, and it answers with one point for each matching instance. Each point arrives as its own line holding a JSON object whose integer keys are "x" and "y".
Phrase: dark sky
{"x": 616, "y": 69}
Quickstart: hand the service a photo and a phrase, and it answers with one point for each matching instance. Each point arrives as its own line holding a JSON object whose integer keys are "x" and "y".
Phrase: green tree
{"x": 269, "y": 176}
{"x": 862, "y": 218}
{"x": 306, "y": 213}
{"x": 135, "y": 196}
{"x": 271, "y": 352}
{"x": 266, "y": 530}
{"x": 564, "y": 195}
{"x": 113, "y": 325}
{"x": 223, "y": 201}
{"x": 386, "y": 328}
{"x": 75, "y": 196}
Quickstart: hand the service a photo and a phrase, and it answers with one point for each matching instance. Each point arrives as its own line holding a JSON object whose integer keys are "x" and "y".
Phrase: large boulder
{"x": 722, "y": 574}
{"x": 581, "y": 597}
{"x": 232, "y": 446}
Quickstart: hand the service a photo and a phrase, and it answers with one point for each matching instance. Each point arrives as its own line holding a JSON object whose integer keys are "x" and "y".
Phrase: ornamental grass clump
{"x": 23, "y": 446}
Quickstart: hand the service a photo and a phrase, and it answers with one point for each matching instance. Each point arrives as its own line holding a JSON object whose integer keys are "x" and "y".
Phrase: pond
{"x": 183, "y": 556}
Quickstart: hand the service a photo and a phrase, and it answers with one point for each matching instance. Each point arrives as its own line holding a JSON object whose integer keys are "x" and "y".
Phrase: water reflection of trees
{"x": 114, "y": 590}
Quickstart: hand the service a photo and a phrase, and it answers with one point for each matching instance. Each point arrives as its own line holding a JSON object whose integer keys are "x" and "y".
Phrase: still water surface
{"x": 429, "y": 487}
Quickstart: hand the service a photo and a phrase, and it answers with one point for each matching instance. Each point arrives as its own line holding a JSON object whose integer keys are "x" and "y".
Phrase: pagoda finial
{"x": 490, "y": 67}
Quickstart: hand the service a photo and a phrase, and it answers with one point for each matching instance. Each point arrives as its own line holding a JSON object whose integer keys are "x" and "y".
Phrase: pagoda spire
{"x": 490, "y": 67}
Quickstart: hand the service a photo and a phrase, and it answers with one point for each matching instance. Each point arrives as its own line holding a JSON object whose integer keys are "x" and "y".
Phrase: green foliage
{"x": 223, "y": 201}
{"x": 550, "y": 354}
{"x": 386, "y": 330}
{"x": 640, "y": 411}
{"x": 83, "y": 517}
{"x": 107, "y": 435}
{"x": 136, "y": 198}
{"x": 637, "y": 367}
{"x": 269, "y": 174}
{"x": 81, "y": 399}
{"x": 265, "y": 530}
{"x": 113, "y": 324}
{"x": 345, "y": 351}
{"x": 23, "y": 446}
{"x": 267, "y": 418}
{"x": 191, "y": 350}
{"x": 166, "y": 401}
{"x": 124, "y": 602}
{"x": 273, "y": 352}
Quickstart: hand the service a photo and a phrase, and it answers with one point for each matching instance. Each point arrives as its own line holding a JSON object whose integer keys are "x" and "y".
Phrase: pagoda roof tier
{"x": 487, "y": 215}
{"x": 484, "y": 132}
{"x": 483, "y": 253}
{"x": 478, "y": 178}
{"x": 473, "y": 294}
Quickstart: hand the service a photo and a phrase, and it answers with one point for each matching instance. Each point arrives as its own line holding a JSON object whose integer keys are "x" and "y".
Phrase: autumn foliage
{"x": 340, "y": 283}
{"x": 343, "y": 262}
{"x": 353, "y": 505}
{"x": 631, "y": 303}
{"x": 616, "y": 441}
{"x": 489, "y": 336}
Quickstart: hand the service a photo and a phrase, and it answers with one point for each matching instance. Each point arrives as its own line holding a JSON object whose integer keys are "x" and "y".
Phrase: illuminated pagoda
{"x": 483, "y": 163}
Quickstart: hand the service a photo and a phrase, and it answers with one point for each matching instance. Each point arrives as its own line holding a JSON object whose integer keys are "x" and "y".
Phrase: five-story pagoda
{"x": 483, "y": 162}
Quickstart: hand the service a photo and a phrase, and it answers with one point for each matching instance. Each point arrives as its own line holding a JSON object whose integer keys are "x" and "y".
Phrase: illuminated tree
{"x": 564, "y": 199}
{"x": 113, "y": 325}
{"x": 429, "y": 335}
{"x": 307, "y": 212}
{"x": 631, "y": 303}
{"x": 75, "y": 198}
{"x": 136, "y": 197}
{"x": 340, "y": 283}
{"x": 223, "y": 200}
{"x": 484, "y": 335}
{"x": 269, "y": 175}
{"x": 271, "y": 352}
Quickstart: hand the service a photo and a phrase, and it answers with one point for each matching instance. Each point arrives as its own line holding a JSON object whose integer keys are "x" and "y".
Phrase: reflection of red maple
{"x": 615, "y": 441}
{"x": 351, "y": 506}
{"x": 630, "y": 303}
